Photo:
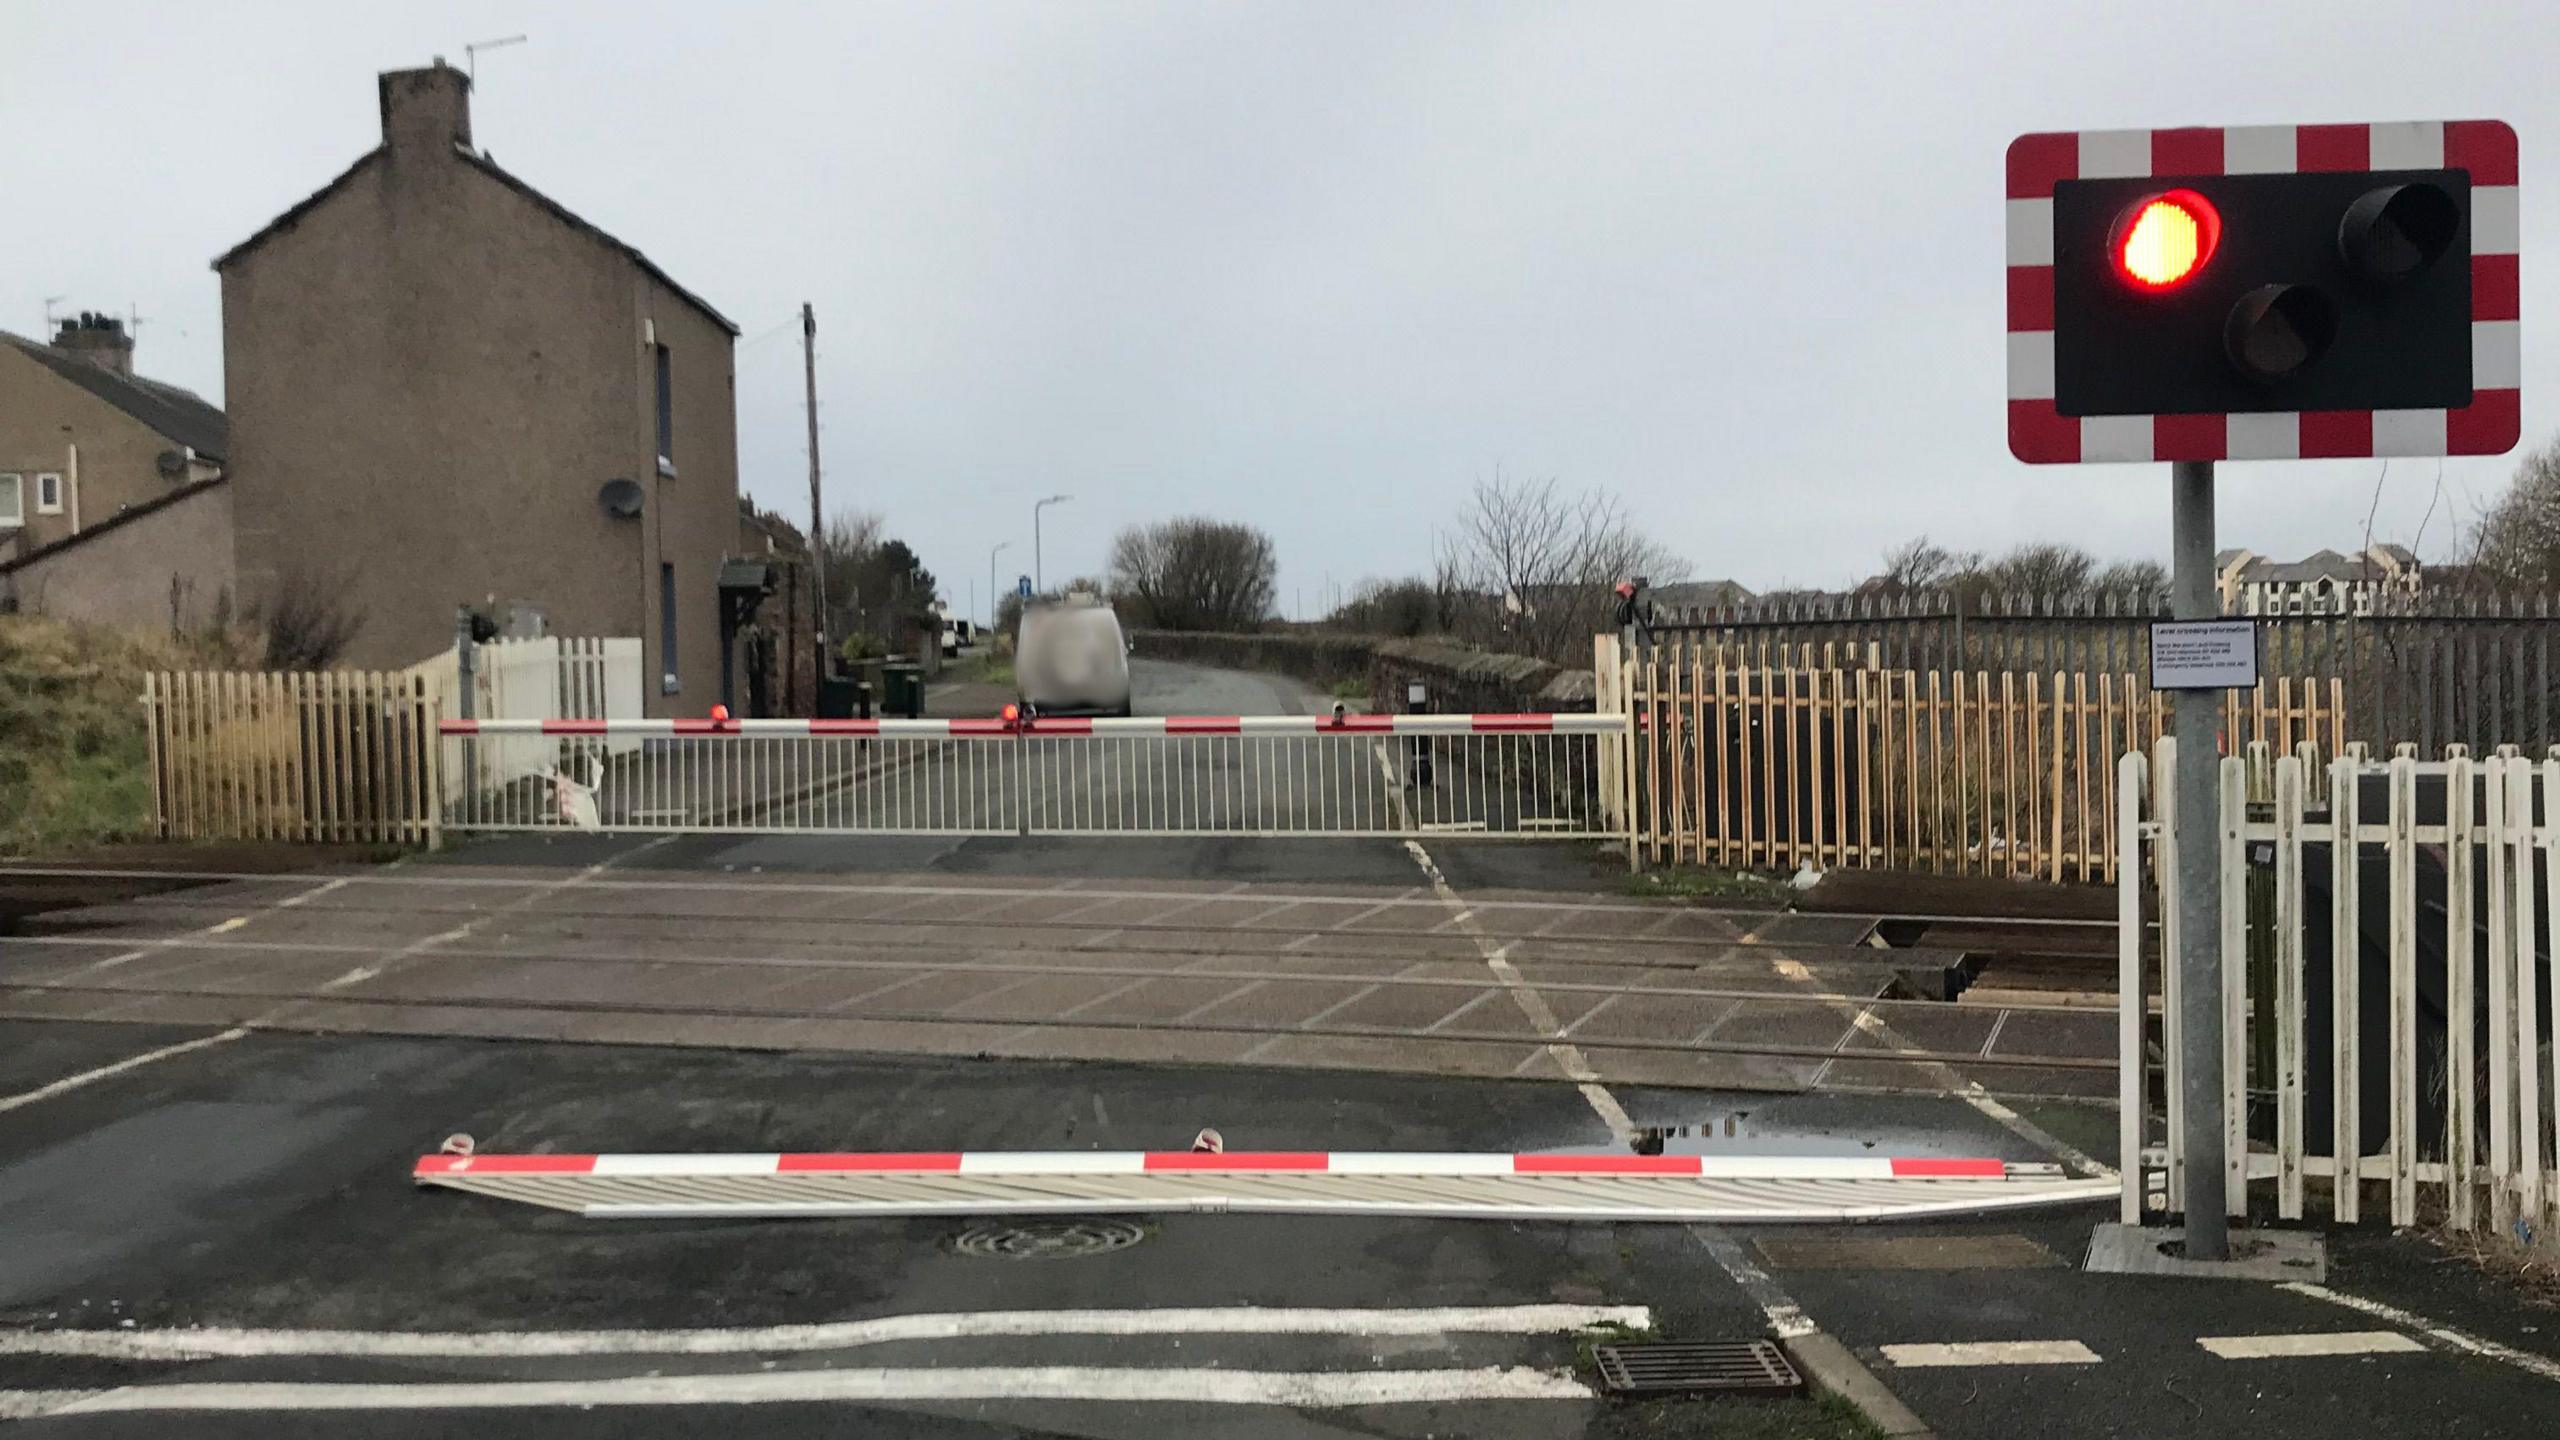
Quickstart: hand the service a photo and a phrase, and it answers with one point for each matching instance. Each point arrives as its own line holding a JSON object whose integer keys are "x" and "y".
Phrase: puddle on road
{"x": 1735, "y": 1134}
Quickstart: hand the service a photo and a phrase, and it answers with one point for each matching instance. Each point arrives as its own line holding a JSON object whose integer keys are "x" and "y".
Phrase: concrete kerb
{"x": 1832, "y": 1370}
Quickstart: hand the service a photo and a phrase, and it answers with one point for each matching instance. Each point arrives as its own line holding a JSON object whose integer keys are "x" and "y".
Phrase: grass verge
{"x": 1708, "y": 884}
{"x": 74, "y": 751}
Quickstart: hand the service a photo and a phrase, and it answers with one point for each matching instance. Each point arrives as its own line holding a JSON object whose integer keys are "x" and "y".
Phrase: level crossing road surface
{"x": 771, "y": 943}
{"x": 1492, "y": 959}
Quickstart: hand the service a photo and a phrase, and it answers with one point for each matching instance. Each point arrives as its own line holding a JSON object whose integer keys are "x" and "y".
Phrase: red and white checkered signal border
{"x": 2490, "y": 425}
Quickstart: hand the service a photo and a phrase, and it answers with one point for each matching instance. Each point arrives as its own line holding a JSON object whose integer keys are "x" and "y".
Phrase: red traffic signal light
{"x": 2161, "y": 240}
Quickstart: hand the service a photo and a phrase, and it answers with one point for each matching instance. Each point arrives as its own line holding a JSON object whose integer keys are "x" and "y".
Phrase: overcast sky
{"x": 1316, "y": 266}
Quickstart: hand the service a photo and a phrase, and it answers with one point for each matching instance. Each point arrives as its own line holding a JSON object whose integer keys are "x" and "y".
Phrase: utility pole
{"x": 995, "y": 607}
{"x": 817, "y": 502}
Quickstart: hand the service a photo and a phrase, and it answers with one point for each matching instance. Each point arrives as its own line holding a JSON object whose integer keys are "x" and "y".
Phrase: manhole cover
{"x": 1046, "y": 1239}
{"x": 1673, "y": 1367}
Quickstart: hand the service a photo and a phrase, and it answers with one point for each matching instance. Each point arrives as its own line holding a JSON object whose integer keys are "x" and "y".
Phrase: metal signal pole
{"x": 2198, "y": 726}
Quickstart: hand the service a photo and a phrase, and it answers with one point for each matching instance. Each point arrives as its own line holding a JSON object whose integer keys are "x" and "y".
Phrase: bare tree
{"x": 1195, "y": 574}
{"x": 1916, "y": 564}
{"x": 1547, "y": 561}
{"x": 2041, "y": 569}
{"x": 1401, "y": 608}
{"x": 308, "y": 620}
{"x": 2518, "y": 541}
{"x": 2132, "y": 578}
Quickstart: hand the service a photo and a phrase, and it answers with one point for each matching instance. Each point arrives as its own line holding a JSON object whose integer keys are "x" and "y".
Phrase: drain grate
{"x": 1681, "y": 1367}
{"x": 1047, "y": 1239}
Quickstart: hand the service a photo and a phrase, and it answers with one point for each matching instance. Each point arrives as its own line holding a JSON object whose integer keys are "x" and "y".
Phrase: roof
{"x": 1700, "y": 592}
{"x": 181, "y": 416}
{"x": 485, "y": 165}
{"x": 125, "y": 516}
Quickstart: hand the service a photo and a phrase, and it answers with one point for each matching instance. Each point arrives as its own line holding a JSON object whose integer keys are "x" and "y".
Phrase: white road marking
{"x": 2337, "y": 1342}
{"x": 2541, "y": 1366}
{"x": 130, "y": 1062}
{"x": 1787, "y": 1319}
{"x": 416, "y": 949}
{"x": 1292, "y": 1389}
{"x": 1962, "y": 1087}
{"x": 206, "y": 1343}
{"x": 1567, "y": 1056}
{"x": 219, "y": 927}
{"x": 134, "y": 1062}
{"x": 1990, "y": 1352}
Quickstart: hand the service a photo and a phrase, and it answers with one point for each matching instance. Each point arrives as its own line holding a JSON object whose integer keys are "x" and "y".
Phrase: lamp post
{"x": 1039, "y": 577}
{"x": 994, "y": 608}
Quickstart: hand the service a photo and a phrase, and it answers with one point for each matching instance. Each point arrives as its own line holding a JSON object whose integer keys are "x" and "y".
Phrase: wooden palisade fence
{"x": 2388, "y": 928}
{"x": 303, "y": 755}
{"x": 1777, "y": 756}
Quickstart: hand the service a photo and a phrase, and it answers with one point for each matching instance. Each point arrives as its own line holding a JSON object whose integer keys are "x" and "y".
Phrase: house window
{"x": 48, "y": 494}
{"x": 13, "y": 501}
{"x": 666, "y": 411}
{"x": 667, "y": 624}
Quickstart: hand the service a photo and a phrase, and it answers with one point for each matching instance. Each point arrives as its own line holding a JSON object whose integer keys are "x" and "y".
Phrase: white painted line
{"x": 27, "y": 1404}
{"x": 2541, "y": 1366}
{"x": 1568, "y": 1057}
{"x": 130, "y": 1062}
{"x": 1963, "y": 1087}
{"x": 1787, "y": 1319}
{"x": 209, "y": 1343}
{"x": 2337, "y": 1342}
{"x": 1990, "y": 1352}
{"x": 1292, "y": 1389}
{"x": 219, "y": 927}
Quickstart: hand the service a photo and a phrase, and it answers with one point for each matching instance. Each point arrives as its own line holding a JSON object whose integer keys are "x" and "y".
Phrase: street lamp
{"x": 994, "y": 609}
{"x": 1039, "y": 578}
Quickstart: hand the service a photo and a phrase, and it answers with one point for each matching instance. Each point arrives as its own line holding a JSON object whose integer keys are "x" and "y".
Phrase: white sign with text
{"x": 2204, "y": 654}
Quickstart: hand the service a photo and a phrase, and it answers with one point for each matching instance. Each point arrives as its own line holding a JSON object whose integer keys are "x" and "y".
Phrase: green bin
{"x": 902, "y": 690}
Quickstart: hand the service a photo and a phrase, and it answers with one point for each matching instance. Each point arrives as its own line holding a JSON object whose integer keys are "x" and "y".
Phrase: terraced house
{"x": 112, "y": 501}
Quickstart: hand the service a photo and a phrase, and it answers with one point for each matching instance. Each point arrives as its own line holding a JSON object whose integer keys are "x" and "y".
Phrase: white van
{"x": 1071, "y": 658}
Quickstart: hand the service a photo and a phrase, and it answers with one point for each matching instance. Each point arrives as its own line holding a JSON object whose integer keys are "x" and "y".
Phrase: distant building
{"x": 1685, "y": 595}
{"x": 2323, "y": 583}
{"x": 446, "y": 388}
{"x": 112, "y": 506}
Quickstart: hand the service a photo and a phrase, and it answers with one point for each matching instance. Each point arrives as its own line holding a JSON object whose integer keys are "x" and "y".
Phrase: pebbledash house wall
{"x": 163, "y": 564}
{"x": 431, "y": 373}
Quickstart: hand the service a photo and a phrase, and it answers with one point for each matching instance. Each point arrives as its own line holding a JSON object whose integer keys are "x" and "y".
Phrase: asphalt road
{"x": 259, "y": 1185}
{"x": 1227, "y": 787}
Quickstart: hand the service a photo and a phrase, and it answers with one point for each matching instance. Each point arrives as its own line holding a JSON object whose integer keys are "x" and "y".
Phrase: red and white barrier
{"x": 1680, "y": 1188}
{"x": 1141, "y": 725}
{"x": 1147, "y": 1162}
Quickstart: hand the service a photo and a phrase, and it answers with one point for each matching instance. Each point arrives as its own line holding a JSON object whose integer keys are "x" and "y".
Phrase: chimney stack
{"x": 99, "y": 339}
{"x": 426, "y": 109}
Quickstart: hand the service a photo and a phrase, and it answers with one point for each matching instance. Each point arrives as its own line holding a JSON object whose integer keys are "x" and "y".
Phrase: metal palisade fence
{"x": 2429, "y": 670}
{"x": 2388, "y": 928}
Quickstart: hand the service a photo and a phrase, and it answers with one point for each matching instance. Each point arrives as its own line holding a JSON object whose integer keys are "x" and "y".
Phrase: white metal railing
{"x": 1514, "y": 776}
{"x": 2420, "y": 982}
